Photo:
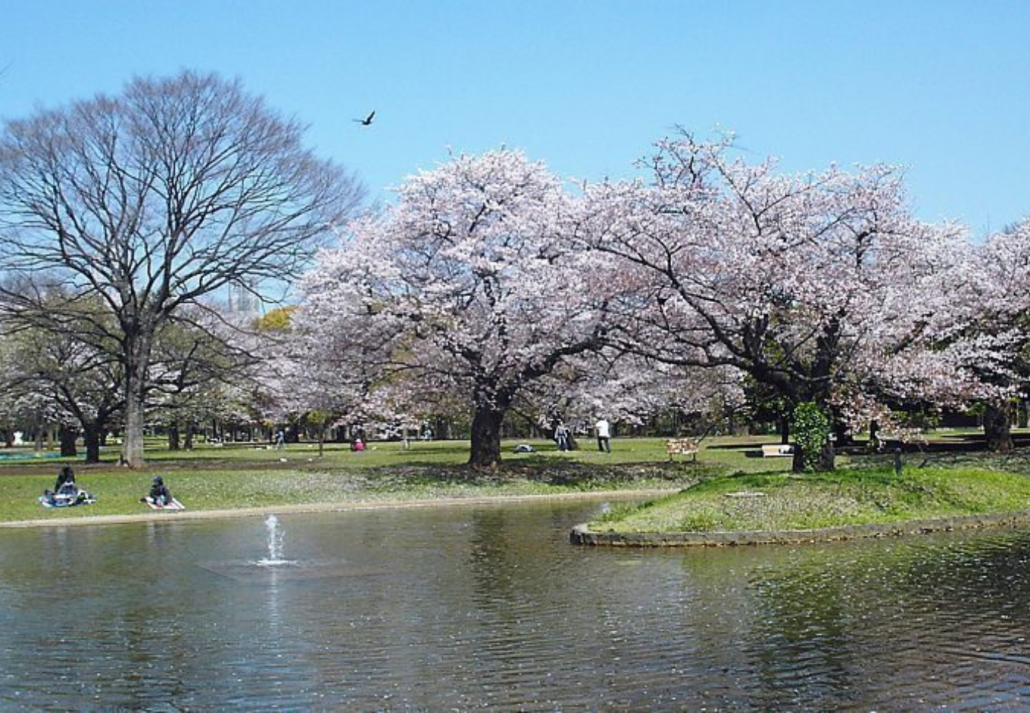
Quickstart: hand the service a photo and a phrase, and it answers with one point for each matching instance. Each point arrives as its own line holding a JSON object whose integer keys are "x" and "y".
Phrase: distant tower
{"x": 243, "y": 301}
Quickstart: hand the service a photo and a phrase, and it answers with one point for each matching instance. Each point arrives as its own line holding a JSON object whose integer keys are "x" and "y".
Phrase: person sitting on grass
{"x": 66, "y": 491}
{"x": 159, "y": 493}
{"x": 66, "y": 478}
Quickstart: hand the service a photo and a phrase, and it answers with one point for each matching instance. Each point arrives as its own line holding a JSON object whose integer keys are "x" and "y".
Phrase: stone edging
{"x": 581, "y": 534}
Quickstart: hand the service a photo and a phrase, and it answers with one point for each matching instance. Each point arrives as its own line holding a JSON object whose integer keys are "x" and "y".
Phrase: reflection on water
{"x": 490, "y": 606}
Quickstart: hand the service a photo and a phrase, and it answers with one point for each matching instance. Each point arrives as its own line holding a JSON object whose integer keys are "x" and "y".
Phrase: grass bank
{"x": 780, "y": 502}
{"x": 248, "y": 477}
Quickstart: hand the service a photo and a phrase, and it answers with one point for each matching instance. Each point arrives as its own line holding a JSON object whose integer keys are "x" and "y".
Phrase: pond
{"x": 472, "y": 606}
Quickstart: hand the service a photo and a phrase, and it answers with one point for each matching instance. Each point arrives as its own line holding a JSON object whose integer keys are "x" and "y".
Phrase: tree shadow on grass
{"x": 574, "y": 475}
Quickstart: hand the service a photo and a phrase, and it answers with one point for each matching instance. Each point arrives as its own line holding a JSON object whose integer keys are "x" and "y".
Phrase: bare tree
{"x": 156, "y": 198}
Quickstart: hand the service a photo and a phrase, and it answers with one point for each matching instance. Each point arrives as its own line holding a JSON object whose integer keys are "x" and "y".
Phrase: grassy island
{"x": 777, "y": 502}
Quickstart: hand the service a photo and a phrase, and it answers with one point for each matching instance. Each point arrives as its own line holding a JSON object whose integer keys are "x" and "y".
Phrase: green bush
{"x": 811, "y": 432}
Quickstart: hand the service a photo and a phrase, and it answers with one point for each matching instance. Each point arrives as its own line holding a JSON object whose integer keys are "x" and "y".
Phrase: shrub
{"x": 811, "y": 433}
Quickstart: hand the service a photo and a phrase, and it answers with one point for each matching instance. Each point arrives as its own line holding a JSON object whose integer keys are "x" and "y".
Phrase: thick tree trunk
{"x": 135, "y": 400}
{"x": 67, "y": 437}
{"x": 842, "y": 433}
{"x": 132, "y": 446}
{"x": 443, "y": 429}
{"x": 486, "y": 436}
{"x": 827, "y": 458}
{"x": 798, "y": 461}
{"x": 174, "y": 440}
{"x": 997, "y": 428}
{"x": 91, "y": 439}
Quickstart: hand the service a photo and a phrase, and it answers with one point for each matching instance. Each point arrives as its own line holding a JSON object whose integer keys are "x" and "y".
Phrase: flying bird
{"x": 367, "y": 121}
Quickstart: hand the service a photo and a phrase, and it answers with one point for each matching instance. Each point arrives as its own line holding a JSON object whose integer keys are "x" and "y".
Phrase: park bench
{"x": 778, "y": 449}
{"x": 681, "y": 446}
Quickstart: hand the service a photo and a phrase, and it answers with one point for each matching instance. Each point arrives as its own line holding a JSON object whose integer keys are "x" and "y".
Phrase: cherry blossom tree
{"x": 628, "y": 389}
{"x": 470, "y": 284}
{"x": 974, "y": 347}
{"x": 783, "y": 277}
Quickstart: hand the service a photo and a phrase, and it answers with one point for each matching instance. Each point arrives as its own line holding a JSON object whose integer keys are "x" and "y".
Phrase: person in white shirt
{"x": 603, "y": 435}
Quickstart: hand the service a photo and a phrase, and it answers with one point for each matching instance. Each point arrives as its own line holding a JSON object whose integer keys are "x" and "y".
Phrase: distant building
{"x": 243, "y": 302}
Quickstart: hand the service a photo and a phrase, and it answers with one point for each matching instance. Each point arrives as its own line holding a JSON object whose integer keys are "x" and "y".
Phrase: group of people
{"x": 67, "y": 492}
{"x": 563, "y": 437}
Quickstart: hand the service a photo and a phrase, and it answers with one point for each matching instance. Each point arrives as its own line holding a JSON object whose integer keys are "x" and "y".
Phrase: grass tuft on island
{"x": 783, "y": 502}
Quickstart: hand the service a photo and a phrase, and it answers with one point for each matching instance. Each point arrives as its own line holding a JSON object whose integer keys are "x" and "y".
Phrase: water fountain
{"x": 275, "y": 545}
{"x": 275, "y": 567}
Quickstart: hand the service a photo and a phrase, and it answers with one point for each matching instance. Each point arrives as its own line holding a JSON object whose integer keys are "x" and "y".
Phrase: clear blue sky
{"x": 939, "y": 86}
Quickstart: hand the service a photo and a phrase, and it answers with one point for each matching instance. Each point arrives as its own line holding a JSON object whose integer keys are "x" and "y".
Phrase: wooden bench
{"x": 681, "y": 446}
{"x": 778, "y": 449}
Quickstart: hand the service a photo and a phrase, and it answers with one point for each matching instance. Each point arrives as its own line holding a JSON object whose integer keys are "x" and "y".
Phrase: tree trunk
{"x": 442, "y": 432}
{"x": 997, "y": 428}
{"x": 827, "y": 457}
{"x": 486, "y": 436}
{"x": 842, "y": 432}
{"x": 784, "y": 429}
{"x": 132, "y": 446}
{"x": 91, "y": 439}
{"x": 67, "y": 437}
{"x": 137, "y": 351}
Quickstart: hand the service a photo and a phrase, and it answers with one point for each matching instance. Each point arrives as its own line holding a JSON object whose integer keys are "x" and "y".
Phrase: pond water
{"x": 462, "y": 607}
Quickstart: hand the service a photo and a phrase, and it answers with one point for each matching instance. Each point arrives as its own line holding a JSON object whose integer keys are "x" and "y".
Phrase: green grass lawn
{"x": 783, "y": 502}
{"x": 245, "y": 476}
{"x": 241, "y": 476}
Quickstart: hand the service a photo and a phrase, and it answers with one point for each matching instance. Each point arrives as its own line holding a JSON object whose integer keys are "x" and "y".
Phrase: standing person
{"x": 603, "y": 435}
{"x": 280, "y": 440}
{"x": 561, "y": 436}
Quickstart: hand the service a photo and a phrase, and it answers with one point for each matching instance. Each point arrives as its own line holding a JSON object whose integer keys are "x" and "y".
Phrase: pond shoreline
{"x": 344, "y": 506}
{"x": 582, "y": 535}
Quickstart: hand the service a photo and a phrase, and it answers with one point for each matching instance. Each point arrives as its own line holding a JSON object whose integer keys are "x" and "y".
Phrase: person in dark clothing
{"x": 159, "y": 493}
{"x": 65, "y": 477}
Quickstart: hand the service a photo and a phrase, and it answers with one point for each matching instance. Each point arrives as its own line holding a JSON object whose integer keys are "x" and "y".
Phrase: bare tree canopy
{"x": 158, "y": 197}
